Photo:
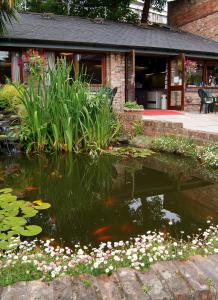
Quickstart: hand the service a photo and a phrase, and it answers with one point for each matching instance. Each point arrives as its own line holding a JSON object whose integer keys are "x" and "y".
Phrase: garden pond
{"x": 106, "y": 198}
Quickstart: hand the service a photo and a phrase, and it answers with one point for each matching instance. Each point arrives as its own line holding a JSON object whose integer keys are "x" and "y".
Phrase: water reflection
{"x": 107, "y": 198}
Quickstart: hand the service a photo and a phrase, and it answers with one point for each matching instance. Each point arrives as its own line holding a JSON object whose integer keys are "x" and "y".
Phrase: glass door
{"x": 176, "y": 84}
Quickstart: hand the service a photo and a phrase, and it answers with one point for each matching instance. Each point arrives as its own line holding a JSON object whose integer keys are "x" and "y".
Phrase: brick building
{"x": 143, "y": 62}
{"x": 195, "y": 16}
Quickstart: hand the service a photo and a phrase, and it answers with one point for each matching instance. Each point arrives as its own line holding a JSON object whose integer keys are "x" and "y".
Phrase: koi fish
{"x": 31, "y": 188}
{"x": 110, "y": 201}
{"x": 101, "y": 230}
{"x": 127, "y": 228}
{"x": 105, "y": 238}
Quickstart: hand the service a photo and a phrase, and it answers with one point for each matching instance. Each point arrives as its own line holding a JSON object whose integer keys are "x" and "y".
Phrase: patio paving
{"x": 192, "y": 121}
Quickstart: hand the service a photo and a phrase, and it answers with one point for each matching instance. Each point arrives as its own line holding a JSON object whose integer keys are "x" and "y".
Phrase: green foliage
{"x": 209, "y": 155}
{"x": 7, "y": 14}
{"x": 172, "y": 144}
{"x": 14, "y": 214}
{"x": 133, "y": 105}
{"x": 9, "y": 97}
{"x": 62, "y": 114}
{"x": 117, "y": 10}
{"x": 131, "y": 152}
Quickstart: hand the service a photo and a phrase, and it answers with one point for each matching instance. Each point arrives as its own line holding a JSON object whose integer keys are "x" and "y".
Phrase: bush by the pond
{"x": 64, "y": 115}
{"x": 9, "y": 97}
{"x": 172, "y": 144}
{"x": 209, "y": 155}
{"x": 34, "y": 260}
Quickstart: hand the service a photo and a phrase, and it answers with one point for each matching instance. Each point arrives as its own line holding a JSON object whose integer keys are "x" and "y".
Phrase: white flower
{"x": 24, "y": 258}
{"x": 107, "y": 270}
{"x": 175, "y": 244}
{"x": 216, "y": 250}
{"x": 111, "y": 268}
{"x": 116, "y": 258}
{"x": 151, "y": 259}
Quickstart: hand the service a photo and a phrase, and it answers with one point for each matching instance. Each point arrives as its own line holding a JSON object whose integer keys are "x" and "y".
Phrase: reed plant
{"x": 62, "y": 114}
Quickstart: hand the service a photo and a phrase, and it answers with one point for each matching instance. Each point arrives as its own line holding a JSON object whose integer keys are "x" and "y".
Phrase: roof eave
{"x": 84, "y": 46}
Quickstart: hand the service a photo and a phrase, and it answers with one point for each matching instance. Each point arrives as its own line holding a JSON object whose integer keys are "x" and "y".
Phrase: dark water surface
{"x": 110, "y": 198}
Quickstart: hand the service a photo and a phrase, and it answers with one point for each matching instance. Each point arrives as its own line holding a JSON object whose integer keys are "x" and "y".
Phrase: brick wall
{"x": 155, "y": 128}
{"x": 196, "y": 16}
{"x": 115, "y": 73}
{"x": 192, "y": 100}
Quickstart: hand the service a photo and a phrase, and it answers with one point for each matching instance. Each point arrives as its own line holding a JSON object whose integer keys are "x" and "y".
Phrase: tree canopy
{"x": 7, "y": 13}
{"x": 117, "y": 10}
{"x": 156, "y": 4}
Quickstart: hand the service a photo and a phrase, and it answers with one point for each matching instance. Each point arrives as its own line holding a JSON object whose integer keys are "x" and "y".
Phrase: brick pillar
{"x": 130, "y": 69}
{"x": 115, "y": 72}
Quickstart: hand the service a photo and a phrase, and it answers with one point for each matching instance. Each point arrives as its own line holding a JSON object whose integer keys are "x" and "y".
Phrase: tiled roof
{"x": 63, "y": 29}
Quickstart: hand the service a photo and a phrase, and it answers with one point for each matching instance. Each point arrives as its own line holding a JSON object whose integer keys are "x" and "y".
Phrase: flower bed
{"x": 40, "y": 259}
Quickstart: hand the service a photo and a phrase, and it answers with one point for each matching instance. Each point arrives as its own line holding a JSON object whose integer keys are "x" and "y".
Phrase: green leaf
{"x": 42, "y": 206}
{"x": 6, "y": 190}
{"x": 14, "y": 221}
{"x": 4, "y": 245}
{"x": 30, "y": 230}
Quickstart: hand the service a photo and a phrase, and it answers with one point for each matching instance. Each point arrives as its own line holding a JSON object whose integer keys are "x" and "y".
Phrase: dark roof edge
{"x": 56, "y": 45}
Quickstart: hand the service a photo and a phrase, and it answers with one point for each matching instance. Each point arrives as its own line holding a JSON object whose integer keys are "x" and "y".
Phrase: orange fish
{"x": 110, "y": 201}
{"x": 31, "y": 188}
{"x": 127, "y": 228}
{"x": 105, "y": 238}
{"x": 101, "y": 230}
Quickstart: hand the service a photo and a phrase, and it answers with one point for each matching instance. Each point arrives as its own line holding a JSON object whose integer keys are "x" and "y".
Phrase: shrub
{"x": 10, "y": 97}
{"x": 132, "y": 105}
{"x": 209, "y": 155}
{"x": 172, "y": 144}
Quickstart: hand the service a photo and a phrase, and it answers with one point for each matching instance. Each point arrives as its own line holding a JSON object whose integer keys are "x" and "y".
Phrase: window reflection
{"x": 212, "y": 74}
{"x": 5, "y": 66}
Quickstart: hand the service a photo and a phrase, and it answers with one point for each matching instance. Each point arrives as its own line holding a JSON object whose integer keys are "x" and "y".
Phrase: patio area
{"x": 192, "y": 121}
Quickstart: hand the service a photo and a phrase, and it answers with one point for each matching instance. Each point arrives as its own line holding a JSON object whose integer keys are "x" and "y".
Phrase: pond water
{"x": 110, "y": 198}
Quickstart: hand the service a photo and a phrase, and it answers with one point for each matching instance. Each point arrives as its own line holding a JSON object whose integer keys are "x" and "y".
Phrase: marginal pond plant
{"x": 14, "y": 216}
{"x": 63, "y": 114}
{"x": 41, "y": 259}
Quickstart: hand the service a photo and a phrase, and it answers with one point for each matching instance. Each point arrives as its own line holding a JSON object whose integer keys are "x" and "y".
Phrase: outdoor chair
{"x": 207, "y": 101}
{"x": 111, "y": 93}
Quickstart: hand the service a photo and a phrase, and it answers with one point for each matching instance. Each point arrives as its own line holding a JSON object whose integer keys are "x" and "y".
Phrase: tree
{"x": 157, "y": 4}
{"x": 117, "y": 10}
{"x": 7, "y": 13}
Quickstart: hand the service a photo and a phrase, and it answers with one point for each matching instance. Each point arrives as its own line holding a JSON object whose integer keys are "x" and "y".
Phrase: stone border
{"x": 156, "y": 128}
{"x": 196, "y": 278}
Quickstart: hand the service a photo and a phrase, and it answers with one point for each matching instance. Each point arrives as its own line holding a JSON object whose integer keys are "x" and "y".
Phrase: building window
{"x": 5, "y": 66}
{"x": 194, "y": 73}
{"x": 201, "y": 73}
{"x": 89, "y": 66}
{"x": 212, "y": 76}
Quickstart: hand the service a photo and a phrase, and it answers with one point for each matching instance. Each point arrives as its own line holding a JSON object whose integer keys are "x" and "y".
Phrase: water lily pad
{"x": 6, "y": 190}
{"x": 14, "y": 221}
{"x": 42, "y": 206}
{"x": 29, "y": 212}
{"x": 4, "y": 245}
{"x": 30, "y": 230}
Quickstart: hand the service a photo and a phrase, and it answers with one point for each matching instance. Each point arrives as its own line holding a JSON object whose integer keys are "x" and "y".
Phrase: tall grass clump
{"x": 62, "y": 114}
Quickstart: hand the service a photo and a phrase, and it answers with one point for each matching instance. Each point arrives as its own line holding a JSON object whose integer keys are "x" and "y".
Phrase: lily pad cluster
{"x": 14, "y": 214}
{"x": 131, "y": 152}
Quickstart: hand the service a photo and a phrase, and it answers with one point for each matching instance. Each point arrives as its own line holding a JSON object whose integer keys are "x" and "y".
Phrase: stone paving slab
{"x": 192, "y": 121}
{"x": 195, "y": 279}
